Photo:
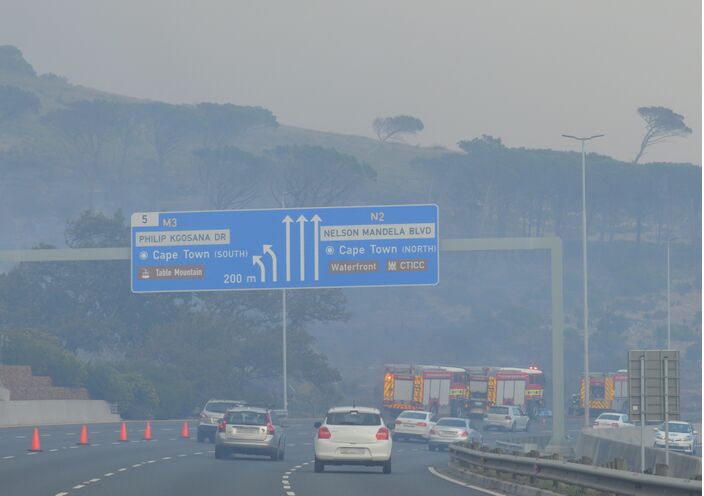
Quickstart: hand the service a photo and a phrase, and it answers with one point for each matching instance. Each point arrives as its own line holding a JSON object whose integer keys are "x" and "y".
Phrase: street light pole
{"x": 669, "y": 240}
{"x": 587, "y": 393}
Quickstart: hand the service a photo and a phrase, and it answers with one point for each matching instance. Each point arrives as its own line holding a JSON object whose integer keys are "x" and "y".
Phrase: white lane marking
{"x": 181, "y": 455}
{"x": 284, "y": 477}
{"x": 31, "y": 453}
{"x": 151, "y": 461}
{"x": 96, "y": 444}
{"x": 288, "y": 473}
{"x": 298, "y": 466}
{"x": 20, "y": 437}
{"x": 54, "y": 449}
{"x": 78, "y": 486}
{"x": 400, "y": 451}
{"x": 166, "y": 458}
{"x": 8, "y": 457}
{"x": 116, "y": 442}
{"x": 109, "y": 474}
{"x": 287, "y": 487}
{"x": 94, "y": 480}
{"x": 61, "y": 494}
{"x": 198, "y": 453}
{"x": 460, "y": 483}
{"x": 305, "y": 463}
{"x": 136, "y": 465}
{"x": 290, "y": 493}
{"x": 97, "y": 432}
{"x": 121, "y": 469}
{"x": 45, "y": 435}
{"x": 292, "y": 444}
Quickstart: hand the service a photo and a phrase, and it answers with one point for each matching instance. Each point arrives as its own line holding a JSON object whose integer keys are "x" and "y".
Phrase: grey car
{"x": 449, "y": 430}
{"x": 250, "y": 431}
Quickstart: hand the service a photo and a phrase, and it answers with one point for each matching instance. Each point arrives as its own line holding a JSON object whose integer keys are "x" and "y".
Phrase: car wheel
{"x": 200, "y": 437}
{"x": 513, "y": 427}
{"x": 220, "y": 452}
{"x": 282, "y": 454}
{"x": 275, "y": 454}
{"x": 319, "y": 466}
{"x": 387, "y": 467}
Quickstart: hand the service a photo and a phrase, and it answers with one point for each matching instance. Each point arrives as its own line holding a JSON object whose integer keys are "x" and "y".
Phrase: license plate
{"x": 351, "y": 451}
{"x": 448, "y": 433}
{"x": 409, "y": 425}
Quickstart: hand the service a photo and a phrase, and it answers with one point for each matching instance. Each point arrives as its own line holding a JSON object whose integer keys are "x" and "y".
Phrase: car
{"x": 211, "y": 416}
{"x": 682, "y": 436}
{"x": 413, "y": 424}
{"x": 352, "y": 435}
{"x": 507, "y": 417}
{"x": 449, "y": 430}
{"x": 251, "y": 431}
{"x": 611, "y": 419}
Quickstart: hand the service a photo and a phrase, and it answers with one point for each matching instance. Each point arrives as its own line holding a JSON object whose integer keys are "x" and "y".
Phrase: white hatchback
{"x": 413, "y": 424}
{"x": 352, "y": 435}
{"x": 611, "y": 419}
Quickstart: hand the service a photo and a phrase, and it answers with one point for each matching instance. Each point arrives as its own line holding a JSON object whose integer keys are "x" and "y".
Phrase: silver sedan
{"x": 449, "y": 430}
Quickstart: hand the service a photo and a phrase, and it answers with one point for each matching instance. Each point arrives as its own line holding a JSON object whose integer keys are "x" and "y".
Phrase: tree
{"x": 15, "y": 102}
{"x": 220, "y": 123}
{"x": 312, "y": 176}
{"x": 231, "y": 176}
{"x": 387, "y": 128}
{"x": 660, "y": 124}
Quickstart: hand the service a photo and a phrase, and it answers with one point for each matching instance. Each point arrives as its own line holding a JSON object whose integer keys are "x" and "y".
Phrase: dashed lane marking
{"x": 53, "y": 450}
{"x": 78, "y": 486}
{"x": 121, "y": 469}
{"x": 94, "y": 480}
{"x": 109, "y": 474}
{"x": 8, "y": 457}
{"x": 61, "y": 494}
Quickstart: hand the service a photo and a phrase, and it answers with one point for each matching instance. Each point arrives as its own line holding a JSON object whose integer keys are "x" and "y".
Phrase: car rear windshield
{"x": 681, "y": 428}
{"x": 413, "y": 415}
{"x": 451, "y": 423}
{"x": 219, "y": 406}
{"x": 246, "y": 418}
{"x": 609, "y": 417}
{"x": 353, "y": 418}
{"x": 499, "y": 409}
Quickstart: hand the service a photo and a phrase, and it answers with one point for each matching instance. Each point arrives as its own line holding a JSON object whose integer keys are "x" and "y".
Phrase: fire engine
{"x": 479, "y": 381}
{"x": 607, "y": 392}
{"x": 519, "y": 387}
{"x": 434, "y": 388}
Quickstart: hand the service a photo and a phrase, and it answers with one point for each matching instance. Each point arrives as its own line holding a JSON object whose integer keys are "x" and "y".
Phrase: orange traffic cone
{"x": 148, "y": 432}
{"x": 83, "y": 440}
{"x": 123, "y": 432}
{"x": 184, "y": 431}
{"x": 36, "y": 444}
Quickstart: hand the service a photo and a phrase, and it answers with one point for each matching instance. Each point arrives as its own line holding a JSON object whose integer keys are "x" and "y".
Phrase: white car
{"x": 352, "y": 435}
{"x": 611, "y": 419}
{"x": 452, "y": 430}
{"x": 413, "y": 424}
{"x": 507, "y": 417}
{"x": 212, "y": 415}
{"x": 682, "y": 437}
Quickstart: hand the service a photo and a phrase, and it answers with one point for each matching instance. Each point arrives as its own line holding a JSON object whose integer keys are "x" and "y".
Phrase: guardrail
{"x": 558, "y": 472}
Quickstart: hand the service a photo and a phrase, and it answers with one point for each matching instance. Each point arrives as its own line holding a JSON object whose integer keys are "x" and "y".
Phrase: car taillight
{"x": 324, "y": 433}
{"x": 382, "y": 434}
{"x": 270, "y": 429}
{"x": 421, "y": 424}
{"x": 433, "y": 431}
{"x": 221, "y": 425}
{"x": 464, "y": 434}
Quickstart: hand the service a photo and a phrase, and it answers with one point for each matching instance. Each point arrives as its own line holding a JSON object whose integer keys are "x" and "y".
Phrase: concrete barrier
{"x": 602, "y": 446}
{"x": 46, "y": 412}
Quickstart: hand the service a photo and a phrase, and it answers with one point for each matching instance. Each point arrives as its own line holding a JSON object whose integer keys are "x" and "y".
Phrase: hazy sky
{"x": 525, "y": 71}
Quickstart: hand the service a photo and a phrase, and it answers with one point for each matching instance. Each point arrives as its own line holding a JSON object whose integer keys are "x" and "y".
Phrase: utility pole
{"x": 587, "y": 384}
{"x": 283, "y": 319}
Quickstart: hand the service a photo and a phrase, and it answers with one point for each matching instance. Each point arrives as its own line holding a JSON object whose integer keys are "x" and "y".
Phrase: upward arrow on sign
{"x": 316, "y": 220}
{"x": 288, "y": 220}
{"x": 302, "y": 233}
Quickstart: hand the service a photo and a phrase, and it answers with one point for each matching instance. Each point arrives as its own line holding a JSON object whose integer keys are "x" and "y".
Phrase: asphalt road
{"x": 169, "y": 465}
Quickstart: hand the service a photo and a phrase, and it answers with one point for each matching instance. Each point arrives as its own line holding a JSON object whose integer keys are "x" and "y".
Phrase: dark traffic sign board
{"x": 285, "y": 248}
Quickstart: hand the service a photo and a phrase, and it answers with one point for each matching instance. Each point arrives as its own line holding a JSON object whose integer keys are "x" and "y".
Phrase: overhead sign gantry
{"x": 284, "y": 248}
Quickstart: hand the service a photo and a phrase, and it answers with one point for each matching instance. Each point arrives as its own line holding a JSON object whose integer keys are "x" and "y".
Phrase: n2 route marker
{"x": 258, "y": 249}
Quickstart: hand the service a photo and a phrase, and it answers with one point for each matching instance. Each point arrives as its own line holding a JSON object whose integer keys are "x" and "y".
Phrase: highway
{"x": 171, "y": 465}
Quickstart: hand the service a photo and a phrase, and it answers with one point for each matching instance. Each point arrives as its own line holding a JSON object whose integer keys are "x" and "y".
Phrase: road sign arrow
{"x": 302, "y": 233}
{"x": 267, "y": 249}
{"x": 257, "y": 260}
{"x": 316, "y": 220}
{"x": 288, "y": 220}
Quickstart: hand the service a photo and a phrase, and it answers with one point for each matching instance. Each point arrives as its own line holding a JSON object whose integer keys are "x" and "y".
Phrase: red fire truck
{"x": 520, "y": 387}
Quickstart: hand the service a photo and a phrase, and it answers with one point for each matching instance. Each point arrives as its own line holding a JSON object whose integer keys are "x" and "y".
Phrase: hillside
{"x": 489, "y": 308}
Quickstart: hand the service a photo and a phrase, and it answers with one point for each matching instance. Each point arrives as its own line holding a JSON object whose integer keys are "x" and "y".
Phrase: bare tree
{"x": 660, "y": 124}
{"x": 387, "y": 128}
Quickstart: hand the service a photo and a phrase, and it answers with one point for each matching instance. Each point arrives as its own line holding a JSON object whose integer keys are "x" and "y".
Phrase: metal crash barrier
{"x": 606, "y": 480}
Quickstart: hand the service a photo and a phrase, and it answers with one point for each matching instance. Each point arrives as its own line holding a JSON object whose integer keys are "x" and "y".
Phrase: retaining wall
{"x": 44, "y": 412}
{"x": 604, "y": 445}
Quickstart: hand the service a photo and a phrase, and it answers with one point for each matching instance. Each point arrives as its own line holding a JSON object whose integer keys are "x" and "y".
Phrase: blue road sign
{"x": 285, "y": 248}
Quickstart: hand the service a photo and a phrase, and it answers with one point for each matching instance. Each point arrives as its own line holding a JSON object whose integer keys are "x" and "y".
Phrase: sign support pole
{"x": 642, "y": 413}
{"x": 666, "y": 377}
